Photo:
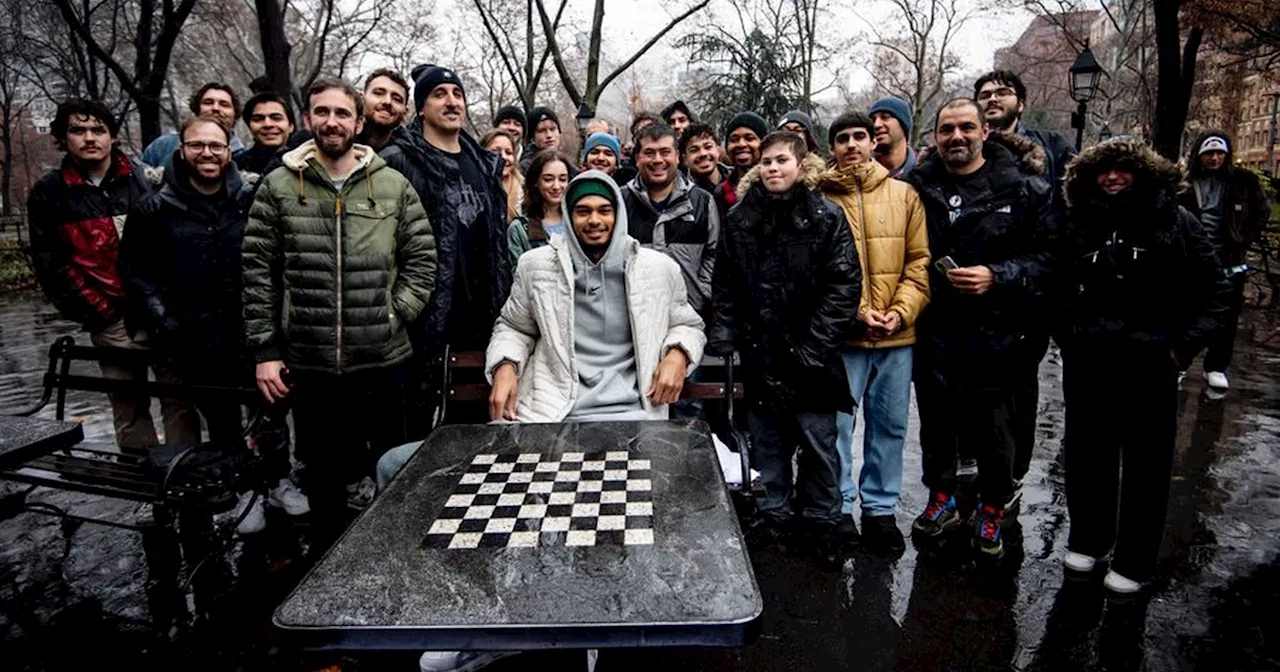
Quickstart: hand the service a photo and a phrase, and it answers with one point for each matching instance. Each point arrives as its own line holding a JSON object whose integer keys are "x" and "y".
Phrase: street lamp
{"x": 1105, "y": 134}
{"x": 584, "y": 117}
{"x": 1085, "y": 73}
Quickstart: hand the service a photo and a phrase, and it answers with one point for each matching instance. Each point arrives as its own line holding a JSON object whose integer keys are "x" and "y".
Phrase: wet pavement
{"x": 71, "y": 597}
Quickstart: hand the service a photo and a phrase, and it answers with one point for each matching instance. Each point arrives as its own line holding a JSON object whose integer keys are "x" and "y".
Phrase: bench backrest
{"x": 464, "y": 381}
{"x": 58, "y": 379}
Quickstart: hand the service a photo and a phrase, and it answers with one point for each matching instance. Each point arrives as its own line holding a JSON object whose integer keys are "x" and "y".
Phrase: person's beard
{"x": 1004, "y": 122}
{"x": 335, "y": 148}
{"x": 960, "y": 158}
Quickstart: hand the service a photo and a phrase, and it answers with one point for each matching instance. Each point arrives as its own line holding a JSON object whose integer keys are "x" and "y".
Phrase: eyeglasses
{"x": 1003, "y": 92}
{"x": 215, "y": 148}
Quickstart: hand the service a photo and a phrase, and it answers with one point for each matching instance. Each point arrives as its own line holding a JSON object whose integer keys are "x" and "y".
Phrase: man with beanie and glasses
{"x": 893, "y": 123}
{"x": 1233, "y": 209}
{"x": 460, "y": 184}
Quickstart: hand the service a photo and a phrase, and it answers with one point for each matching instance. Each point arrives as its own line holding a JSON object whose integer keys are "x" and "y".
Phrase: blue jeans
{"x": 880, "y": 383}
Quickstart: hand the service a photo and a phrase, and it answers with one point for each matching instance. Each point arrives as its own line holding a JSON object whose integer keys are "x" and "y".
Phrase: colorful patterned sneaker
{"x": 990, "y": 541}
{"x": 940, "y": 516}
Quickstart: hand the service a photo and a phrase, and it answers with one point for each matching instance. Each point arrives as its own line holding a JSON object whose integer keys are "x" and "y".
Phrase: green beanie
{"x": 590, "y": 187}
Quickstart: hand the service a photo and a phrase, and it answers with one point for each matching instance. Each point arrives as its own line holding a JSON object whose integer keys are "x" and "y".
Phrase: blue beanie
{"x": 897, "y": 108}
{"x": 597, "y": 139}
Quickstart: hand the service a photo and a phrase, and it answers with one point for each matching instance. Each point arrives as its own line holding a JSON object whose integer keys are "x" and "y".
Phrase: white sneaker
{"x": 1120, "y": 585}
{"x": 1217, "y": 379}
{"x": 459, "y": 661}
{"x": 1182, "y": 380}
{"x": 287, "y": 496}
{"x": 255, "y": 520}
{"x": 1079, "y": 562}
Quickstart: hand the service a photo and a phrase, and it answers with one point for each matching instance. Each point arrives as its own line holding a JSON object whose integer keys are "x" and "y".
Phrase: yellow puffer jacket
{"x": 888, "y": 225}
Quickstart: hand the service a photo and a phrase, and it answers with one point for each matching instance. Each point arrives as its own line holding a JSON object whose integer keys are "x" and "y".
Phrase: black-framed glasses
{"x": 215, "y": 148}
{"x": 1002, "y": 92}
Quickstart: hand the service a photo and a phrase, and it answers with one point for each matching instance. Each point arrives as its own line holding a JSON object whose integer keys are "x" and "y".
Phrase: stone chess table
{"x": 578, "y": 535}
{"x": 23, "y": 439}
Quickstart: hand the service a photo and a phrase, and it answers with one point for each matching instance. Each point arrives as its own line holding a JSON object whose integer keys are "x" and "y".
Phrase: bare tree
{"x": 748, "y": 62}
{"x": 913, "y": 59}
{"x": 589, "y": 92}
{"x": 154, "y": 29}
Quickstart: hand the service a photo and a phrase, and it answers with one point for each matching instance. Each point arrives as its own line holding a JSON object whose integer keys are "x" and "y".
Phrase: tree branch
{"x": 649, "y": 45}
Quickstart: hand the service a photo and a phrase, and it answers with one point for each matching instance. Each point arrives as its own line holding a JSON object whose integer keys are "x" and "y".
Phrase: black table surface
{"x": 391, "y": 582}
{"x": 23, "y": 439}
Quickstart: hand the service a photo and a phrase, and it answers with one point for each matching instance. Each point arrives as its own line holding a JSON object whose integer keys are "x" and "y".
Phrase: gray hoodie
{"x": 603, "y": 345}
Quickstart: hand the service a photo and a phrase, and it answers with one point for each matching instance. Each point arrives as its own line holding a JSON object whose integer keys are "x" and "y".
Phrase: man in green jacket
{"x": 338, "y": 259}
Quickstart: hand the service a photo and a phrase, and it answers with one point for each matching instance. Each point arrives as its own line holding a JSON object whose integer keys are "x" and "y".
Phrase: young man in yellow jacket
{"x": 888, "y": 226}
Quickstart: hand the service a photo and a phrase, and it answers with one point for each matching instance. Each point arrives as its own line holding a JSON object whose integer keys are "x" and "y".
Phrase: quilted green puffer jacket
{"x": 332, "y": 277}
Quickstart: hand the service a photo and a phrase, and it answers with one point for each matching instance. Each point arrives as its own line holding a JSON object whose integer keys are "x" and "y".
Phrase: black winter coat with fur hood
{"x": 1141, "y": 272}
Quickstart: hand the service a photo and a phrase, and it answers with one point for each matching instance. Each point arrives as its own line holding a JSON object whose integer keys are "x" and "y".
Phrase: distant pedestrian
{"x": 1233, "y": 209}
{"x": 1145, "y": 292}
{"x": 678, "y": 116}
{"x": 798, "y": 122}
{"x": 214, "y": 99}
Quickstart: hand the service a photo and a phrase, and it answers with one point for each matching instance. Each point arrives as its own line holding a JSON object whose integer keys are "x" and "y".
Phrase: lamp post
{"x": 1105, "y": 134}
{"x": 584, "y": 117}
{"x": 1085, "y": 73}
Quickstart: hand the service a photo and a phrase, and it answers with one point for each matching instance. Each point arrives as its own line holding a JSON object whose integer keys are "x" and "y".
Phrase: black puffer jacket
{"x": 786, "y": 291}
{"x": 440, "y": 190}
{"x": 976, "y": 342}
{"x": 180, "y": 258}
{"x": 1142, "y": 272}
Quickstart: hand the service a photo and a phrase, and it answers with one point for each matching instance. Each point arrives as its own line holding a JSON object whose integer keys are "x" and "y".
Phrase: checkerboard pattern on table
{"x": 526, "y": 500}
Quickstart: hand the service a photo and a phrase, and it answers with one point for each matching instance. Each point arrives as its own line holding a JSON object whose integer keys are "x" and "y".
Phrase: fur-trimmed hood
{"x": 812, "y": 167}
{"x": 1157, "y": 177}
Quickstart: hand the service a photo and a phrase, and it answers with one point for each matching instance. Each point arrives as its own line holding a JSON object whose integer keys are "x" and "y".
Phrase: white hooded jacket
{"x": 536, "y": 328}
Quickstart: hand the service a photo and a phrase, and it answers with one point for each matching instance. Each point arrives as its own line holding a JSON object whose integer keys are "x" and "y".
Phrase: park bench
{"x": 185, "y": 485}
{"x": 464, "y": 385}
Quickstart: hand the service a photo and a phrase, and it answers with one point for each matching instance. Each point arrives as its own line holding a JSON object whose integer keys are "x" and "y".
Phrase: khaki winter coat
{"x": 888, "y": 225}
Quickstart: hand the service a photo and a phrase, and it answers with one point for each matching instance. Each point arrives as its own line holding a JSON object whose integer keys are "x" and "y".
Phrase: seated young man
{"x": 634, "y": 338}
{"x": 634, "y": 335}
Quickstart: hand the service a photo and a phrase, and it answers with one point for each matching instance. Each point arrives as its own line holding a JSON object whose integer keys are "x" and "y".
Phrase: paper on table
{"x": 730, "y": 463}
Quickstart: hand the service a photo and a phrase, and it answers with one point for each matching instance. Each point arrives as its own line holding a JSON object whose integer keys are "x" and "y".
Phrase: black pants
{"x": 775, "y": 437}
{"x": 1026, "y": 407}
{"x": 1222, "y": 343}
{"x": 979, "y": 424}
{"x": 1120, "y": 436}
{"x": 338, "y": 422}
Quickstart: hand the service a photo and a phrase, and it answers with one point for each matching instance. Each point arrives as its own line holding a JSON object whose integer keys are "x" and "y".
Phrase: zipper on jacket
{"x": 337, "y": 219}
{"x": 864, "y": 261}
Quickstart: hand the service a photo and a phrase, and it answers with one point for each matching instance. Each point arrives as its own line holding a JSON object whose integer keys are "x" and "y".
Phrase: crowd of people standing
{"x": 333, "y": 260}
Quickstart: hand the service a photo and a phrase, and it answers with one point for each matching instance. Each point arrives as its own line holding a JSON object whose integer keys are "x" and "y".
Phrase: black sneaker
{"x": 847, "y": 531}
{"x": 881, "y": 535}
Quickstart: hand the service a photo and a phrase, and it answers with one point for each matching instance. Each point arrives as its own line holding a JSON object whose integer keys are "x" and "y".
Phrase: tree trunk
{"x": 149, "y": 117}
{"x": 276, "y": 49}
{"x": 6, "y": 180}
{"x": 1175, "y": 75}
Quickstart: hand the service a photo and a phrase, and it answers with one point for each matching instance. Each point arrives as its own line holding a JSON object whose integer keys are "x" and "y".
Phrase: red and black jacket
{"x": 75, "y": 238}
